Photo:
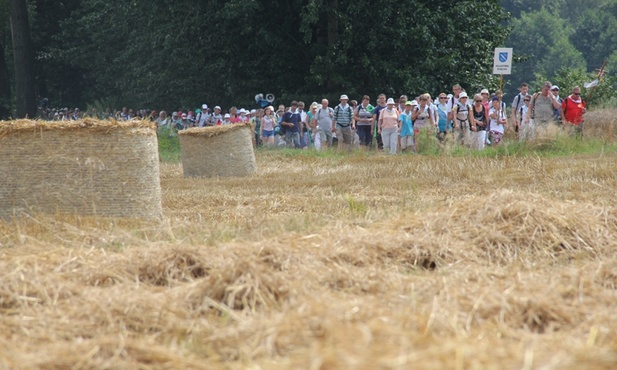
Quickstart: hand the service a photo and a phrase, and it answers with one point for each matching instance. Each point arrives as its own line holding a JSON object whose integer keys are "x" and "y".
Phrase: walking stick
{"x": 598, "y": 76}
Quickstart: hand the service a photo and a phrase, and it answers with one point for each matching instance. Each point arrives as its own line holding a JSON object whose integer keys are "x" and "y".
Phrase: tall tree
{"x": 24, "y": 60}
{"x": 181, "y": 54}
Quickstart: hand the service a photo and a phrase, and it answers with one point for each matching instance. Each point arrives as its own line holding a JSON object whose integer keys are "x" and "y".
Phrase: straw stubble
{"x": 331, "y": 263}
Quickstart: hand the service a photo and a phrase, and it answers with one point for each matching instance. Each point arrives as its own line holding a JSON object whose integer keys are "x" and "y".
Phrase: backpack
{"x": 517, "y": 102}
{"x": 533, "y": 107}
{"x": 336, "y": 113}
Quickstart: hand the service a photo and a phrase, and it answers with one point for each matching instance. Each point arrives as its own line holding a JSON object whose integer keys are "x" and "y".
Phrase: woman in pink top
{"x": 233, "y": 115}
{"x": 389, "y": 126}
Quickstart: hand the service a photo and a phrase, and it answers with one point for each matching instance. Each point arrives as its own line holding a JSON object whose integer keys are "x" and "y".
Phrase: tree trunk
{"x": 24, "y": 60}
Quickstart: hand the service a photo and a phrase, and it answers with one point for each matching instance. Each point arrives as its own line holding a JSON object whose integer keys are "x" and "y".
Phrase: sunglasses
{"x": 576, "y": 94}
{"x": 478, "y": 101}
{"x": 443, "y": 97}
{"x": 527, "y": 99}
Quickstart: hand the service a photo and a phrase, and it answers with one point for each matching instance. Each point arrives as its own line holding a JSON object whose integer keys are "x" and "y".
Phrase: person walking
{"x": 461, "y": 112}
{"x": 517, "y": 106}
{"x": 388, "y": 127}
{"x": 406, "y": 124}
{"x": 381, "y": 105}
{"x": 342, "y": 123}
{"x": 442, "y": 117}
{"x": 322, "y": 121}
{"x": 498, "y": 120}
{"x": 479, "y": 123}
{"x": 364, "y": 121}
{"x": 572, "y": 110}
{"x": 268, "y": 123}
{"x": 541, "y": 108}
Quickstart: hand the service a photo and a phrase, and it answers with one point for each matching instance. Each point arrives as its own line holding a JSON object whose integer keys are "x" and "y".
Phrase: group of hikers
{"x": 397, "y": 125}
{"x": 392, "y": 125}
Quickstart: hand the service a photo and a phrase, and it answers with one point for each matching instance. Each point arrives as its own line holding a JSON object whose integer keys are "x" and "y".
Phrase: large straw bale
{"x": 87, "y": 167}
{"x": 218, "y": 151}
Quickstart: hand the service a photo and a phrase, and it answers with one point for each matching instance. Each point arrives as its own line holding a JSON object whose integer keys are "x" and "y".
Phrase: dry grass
{"x": 351, "y": 262}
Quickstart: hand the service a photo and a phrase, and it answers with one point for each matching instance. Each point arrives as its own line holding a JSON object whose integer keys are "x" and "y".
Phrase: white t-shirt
{"x": 498, "y": 127}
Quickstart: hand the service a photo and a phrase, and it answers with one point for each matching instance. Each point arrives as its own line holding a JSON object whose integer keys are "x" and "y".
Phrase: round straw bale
{"x": 85, "y": 167}
{"x": 218, "y": 151}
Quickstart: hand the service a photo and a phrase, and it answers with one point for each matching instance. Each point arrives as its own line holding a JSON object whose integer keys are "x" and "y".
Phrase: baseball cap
{"x": 408, "y": 103}
{"x": 484, "y": 91}
{"x": 555, "y": 87}
{"x": 227, "y": 115}
{"x": 344, "y": 97}
{"x": 204, "y": 106}
{"x": 414, "y": 102}
{"x": 217, "y": 107}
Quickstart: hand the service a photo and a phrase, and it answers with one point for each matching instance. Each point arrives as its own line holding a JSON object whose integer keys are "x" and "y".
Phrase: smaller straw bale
{"x": 85, "y": 167}
{"x": 218, "y": 151}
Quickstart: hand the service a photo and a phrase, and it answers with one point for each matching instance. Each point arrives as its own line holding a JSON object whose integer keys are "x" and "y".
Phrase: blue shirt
{"x": 292, "y": 117}
{"x": 406, "y": 124}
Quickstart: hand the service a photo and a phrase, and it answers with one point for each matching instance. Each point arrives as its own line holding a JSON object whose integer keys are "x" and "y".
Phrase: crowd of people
{"x": 392, "y": 125}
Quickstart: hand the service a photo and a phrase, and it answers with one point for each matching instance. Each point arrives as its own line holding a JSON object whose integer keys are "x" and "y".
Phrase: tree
{"x": 24, "y": 60}
{"x": 543, "y": 39}
{"x": 184, "y": 53}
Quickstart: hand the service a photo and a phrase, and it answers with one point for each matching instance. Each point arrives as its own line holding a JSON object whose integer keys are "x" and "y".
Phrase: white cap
{"x": 390, "y": 101}
{"x": 554, "y": 87}
{"x": 241, "y": 111}
{"x": 204, "y": 106}
{"x": 217, "y": 107}
{"x": 414, "y": 102}
{"x": 253, "y": 111}
{"x": 344, "y": 97}
{"x": 484, "y": 91}
{"x": 462, "y": 95}
{"x": 227, "y": 115}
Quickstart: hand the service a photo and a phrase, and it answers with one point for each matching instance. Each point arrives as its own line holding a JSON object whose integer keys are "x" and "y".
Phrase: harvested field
{"x": 328, "y": 262}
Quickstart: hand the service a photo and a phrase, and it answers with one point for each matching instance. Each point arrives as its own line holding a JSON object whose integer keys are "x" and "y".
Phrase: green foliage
{"x": 161, "y": 54}
{"x": 169, "y": 148}
{"x": 548, "y": 35}
{"x": 567, "y": 78}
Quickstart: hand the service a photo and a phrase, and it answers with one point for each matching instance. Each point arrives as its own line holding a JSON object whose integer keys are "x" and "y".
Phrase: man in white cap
{"x": 216, "y": 118}
{"x": 203, "y": 117}
{"x": 342, "y": 122}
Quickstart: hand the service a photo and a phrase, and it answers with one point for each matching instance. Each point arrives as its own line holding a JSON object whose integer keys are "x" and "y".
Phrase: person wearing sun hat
{"x": 203, "y": 117}
{"x": 388, "y": 127}
{"x": 342, "y": 122}
{"x": 216, "y": 118}
{"x": 460, "y": 113}
{"x": 406, "y": 124}
{"x": 557, "y": 111}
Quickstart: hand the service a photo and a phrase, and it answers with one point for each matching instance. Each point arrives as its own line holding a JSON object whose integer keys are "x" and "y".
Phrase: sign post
{"x": 502, "y": 63}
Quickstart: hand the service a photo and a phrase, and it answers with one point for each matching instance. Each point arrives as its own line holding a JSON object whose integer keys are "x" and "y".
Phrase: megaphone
{"x": 264, "y": 102}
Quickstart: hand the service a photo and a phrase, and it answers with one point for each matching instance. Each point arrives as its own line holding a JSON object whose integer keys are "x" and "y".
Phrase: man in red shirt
{"x": 572, "y": 110}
